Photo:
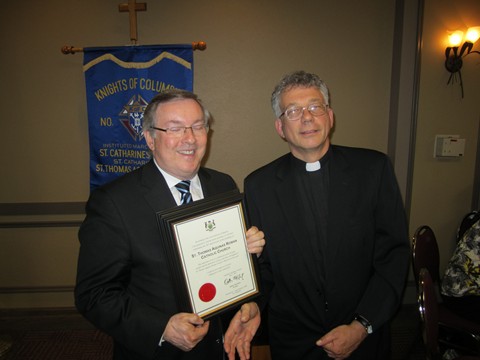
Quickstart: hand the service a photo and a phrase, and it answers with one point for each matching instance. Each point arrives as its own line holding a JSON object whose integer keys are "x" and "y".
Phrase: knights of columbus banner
{"x": 120, "y": 81}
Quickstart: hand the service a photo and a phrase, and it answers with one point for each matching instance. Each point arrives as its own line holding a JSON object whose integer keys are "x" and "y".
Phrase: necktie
{"x": 184, "y": 188}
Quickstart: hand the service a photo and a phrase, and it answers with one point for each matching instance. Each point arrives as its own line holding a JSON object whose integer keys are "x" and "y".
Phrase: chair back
{"x": 430, "y": 314}
{"x": 425, "y": 253}
{"x": 427, "y": 304}
{"x": 467, "y": 222}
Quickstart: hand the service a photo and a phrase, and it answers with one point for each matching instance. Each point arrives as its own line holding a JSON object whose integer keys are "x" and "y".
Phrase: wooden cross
{"x": 132, "y": 7}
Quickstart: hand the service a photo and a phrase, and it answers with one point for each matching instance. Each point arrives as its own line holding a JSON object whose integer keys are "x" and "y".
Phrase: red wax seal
{"x": 207, "y": 292}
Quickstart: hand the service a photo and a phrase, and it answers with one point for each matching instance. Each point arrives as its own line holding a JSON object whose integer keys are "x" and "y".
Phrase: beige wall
{"x": 442, "y": 188}
{"x": 250, "y": 45}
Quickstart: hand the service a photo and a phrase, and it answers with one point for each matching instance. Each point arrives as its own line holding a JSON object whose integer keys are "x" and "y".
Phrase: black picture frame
{"x": 205, "y": 243}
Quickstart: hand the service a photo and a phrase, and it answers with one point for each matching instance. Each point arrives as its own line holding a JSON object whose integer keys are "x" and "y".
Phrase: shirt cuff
{"x": 162, "y": 340}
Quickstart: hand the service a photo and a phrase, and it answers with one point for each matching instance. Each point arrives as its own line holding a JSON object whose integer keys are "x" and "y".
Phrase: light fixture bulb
{"x": 455, "y": 38}
{"x": 473, "y": 34}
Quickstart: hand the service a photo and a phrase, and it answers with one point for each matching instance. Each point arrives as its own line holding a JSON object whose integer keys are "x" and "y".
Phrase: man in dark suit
{"x": 124, "y": 285}
{"x": 335, "y": 263}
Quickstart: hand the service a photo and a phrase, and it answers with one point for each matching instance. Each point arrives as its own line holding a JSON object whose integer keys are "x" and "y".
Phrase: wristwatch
{"x": 366, "y": 324}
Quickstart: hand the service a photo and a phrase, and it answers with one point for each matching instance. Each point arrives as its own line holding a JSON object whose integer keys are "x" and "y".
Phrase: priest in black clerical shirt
{"x": 337, "y": 254}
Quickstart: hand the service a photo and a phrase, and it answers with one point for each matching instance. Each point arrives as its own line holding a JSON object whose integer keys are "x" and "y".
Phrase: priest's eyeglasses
{"x": 178, "y": 131}
{"x": 296, "y": 112}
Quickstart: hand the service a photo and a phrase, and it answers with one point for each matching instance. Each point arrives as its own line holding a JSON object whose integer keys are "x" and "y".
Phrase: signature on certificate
{"x": 234, "y": 279}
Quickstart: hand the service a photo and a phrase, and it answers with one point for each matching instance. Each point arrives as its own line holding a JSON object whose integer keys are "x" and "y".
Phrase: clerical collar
{"x": 313, "y": 166}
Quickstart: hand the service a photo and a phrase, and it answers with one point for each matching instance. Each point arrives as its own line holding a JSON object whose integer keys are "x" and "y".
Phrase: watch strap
{"x": 365, "y": 323}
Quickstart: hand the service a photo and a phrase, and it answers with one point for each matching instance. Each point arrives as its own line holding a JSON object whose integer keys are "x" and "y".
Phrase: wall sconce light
{"x": 453, "y": 61}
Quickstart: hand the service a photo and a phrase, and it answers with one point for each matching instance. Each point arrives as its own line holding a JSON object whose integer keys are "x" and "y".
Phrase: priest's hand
{"x": 241, "y": 331}
{"x": 343, "y": 340}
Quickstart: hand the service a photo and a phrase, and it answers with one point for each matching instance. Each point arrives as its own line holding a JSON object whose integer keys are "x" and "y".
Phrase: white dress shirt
{"x": 195, "y": 185}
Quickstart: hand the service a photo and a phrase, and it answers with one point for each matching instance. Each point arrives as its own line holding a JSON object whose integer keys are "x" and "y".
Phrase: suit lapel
{"x": 157, "y": 194}
{"x": 207, "y": 187}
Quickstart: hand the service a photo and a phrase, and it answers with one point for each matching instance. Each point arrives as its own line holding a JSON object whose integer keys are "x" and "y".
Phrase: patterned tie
{"x": 184, "y": 188}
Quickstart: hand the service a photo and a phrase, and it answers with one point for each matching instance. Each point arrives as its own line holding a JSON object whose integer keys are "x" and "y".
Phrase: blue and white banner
{"x": 120, "y": 81}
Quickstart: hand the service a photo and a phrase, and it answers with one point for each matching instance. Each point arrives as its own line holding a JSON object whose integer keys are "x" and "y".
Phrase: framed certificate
{"x": 206, "y": 245}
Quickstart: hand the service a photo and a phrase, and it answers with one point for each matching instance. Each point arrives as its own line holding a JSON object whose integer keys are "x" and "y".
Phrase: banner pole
{"x": 196, "y": 45}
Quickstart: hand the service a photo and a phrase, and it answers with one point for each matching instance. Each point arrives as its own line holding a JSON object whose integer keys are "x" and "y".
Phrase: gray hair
{"x": 296, "y": 79}
{"x": 167, "y": 96}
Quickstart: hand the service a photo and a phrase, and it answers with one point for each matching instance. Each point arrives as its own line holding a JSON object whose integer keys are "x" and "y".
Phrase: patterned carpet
{"x": 62, "y": 334}
{"x": 407, "y": 343}
{"x": 57, "y": 334}
{"x": 61, "y": 345}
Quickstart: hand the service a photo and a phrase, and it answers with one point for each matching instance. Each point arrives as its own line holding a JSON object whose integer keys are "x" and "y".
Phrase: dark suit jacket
{"x": 124, "y": 286}
{"x": 367, "y": 248}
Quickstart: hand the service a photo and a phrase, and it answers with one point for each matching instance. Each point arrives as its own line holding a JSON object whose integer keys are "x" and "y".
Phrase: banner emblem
{"x": 131, "y": 116}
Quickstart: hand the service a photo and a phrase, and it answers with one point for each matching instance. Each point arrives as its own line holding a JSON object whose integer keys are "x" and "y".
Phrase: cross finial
{"x": 132, "y": 7}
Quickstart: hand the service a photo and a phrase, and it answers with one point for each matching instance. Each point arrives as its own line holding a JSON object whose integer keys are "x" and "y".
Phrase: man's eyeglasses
{"x": 178, "y": 131}
{"x": 296, "y": 112}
